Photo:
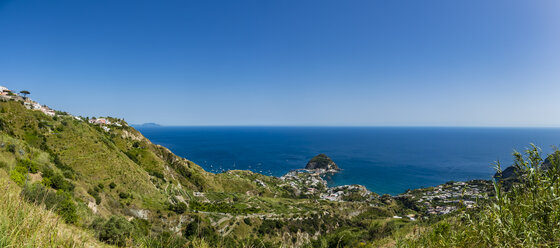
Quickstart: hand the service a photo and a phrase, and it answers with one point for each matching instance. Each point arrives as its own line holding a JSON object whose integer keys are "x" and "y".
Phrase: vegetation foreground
{"x": 70, "y": 181}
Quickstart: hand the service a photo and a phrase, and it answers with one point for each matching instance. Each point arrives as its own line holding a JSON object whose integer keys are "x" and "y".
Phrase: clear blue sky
{"x": 323, "y": 62}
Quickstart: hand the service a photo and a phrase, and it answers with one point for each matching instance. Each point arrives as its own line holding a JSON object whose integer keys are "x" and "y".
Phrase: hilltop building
{"x": 4, "y": 91}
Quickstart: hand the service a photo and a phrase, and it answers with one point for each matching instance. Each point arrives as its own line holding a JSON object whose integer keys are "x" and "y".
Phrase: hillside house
{"x": 47, "y": 111}
{"x": 32, "y": 105}
{"x": 100, "y": 121}
{"x": 4, "y": 91}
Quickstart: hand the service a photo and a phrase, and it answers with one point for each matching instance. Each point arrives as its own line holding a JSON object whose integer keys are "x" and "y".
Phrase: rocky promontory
{"x": 322, "y": 162}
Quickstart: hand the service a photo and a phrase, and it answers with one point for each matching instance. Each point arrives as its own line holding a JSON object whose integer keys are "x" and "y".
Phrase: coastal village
{"x": 431, "y": 201}
{"x": 439, "y": 200}
{"x": 449, "y": 197}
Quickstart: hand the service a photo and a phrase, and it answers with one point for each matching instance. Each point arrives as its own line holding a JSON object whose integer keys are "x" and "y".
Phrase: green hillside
{"x": 71, "y": 182}
{"x": 111, "y": 177}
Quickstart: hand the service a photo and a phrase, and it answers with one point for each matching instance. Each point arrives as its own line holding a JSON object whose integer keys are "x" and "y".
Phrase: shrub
{"x": 68, "y": 174}
{"x": 269, "y": 226}
{"x": 101, "y": 186}
{"x": 124, "y": 195}
{"x": 17, "y": 177}
{"x": 191, "y": 229}
{"x": 95, "y": 195}
{"x": 66, "y": 207}
{"x": 58, "y": 163}
{"x": 28, "y": 165}
{"x": 46, "y": 171}
{"x": 116, "y": 231}
{"x": 157, "y": 174}
{"x": 247, "y": 221}
{"x": 61, "y": 202}
{"x": 58, "y": 182}
{"x": 46, "y": 182}
{"x": 112, "y": 185}
{"x": 179, "y": 207}
{"x": 141, "y": 227}
{"x": 11, "y": 148}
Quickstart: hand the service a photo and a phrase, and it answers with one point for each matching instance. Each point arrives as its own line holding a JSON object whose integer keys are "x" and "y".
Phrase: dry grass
{"x": 23, "y": 224}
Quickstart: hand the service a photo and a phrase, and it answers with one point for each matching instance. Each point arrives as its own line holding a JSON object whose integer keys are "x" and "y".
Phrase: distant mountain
{"x": 149, "y": 124}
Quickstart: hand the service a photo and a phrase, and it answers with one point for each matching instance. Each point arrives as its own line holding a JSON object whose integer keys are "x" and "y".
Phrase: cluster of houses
{"x": 103, "y": 122}
{"x": 339, "y": 193}
{"x": 7, "y": 94}
{"x": 304, "y": 182}
{"x": 446, "y": 198}
{"x": 29, "y": 104}
{"x": 310, "y": 182}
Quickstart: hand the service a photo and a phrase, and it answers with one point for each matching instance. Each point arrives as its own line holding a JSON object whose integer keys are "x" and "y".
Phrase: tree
{"x": 25, "y": 93}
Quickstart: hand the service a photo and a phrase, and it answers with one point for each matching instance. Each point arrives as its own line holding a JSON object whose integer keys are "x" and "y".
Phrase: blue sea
{"x": 384, "y": 159}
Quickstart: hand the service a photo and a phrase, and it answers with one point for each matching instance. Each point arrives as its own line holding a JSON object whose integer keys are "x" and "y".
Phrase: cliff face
{"x": 321, "y": 161}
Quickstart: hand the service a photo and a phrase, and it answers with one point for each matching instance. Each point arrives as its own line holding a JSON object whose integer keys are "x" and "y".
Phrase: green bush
{"x": 270, "y": 227}
{"x": 11, "y": 148}
{"x": 68, "y": 174}
{"x": 112, "y": 185}
{"x": 28, "y": 164}
{"x": 247, "y": 221}
{"x": 47, "y": 171}
{"x": 58, "y": 182}
{"x": 179, "y": 207}
{"x": 61, "y": 202}
{"x": 46, "y": 182}
{"x": 58, "y": 163}
{"x": 116, "y": 231}
{"x": 95, "y": 195}
{"x": 141, "y": 227}
{"x": 124, "y": 195}
{"x": 17, "y": 177}
{"x": 66, "y": 207}
{"x": 157, "y": 174}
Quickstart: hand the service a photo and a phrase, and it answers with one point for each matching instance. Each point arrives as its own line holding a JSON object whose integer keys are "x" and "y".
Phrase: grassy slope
{"x": 100, "y": 157}
{"x": 155, "y": 177}
{"x": 26, "y": 225}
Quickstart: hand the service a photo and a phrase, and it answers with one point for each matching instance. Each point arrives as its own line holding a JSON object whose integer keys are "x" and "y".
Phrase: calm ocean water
{"x": 384, "y": 159}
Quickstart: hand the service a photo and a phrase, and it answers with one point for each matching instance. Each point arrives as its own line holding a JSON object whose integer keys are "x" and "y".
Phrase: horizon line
{"x": 344, "y": 126}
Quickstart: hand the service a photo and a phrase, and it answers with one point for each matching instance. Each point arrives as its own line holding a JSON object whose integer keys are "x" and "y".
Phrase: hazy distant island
{"x": 149, "y": 124}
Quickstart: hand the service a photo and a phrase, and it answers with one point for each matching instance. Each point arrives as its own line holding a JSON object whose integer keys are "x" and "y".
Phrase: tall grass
{"x": 526, "y": 215}
{"x": 23, "y": 224}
